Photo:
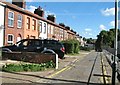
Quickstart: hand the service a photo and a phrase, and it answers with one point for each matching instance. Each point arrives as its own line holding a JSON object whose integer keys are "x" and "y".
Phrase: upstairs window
{"x": 10, "y": 19}
{"x": 52, "y": 30}
{"x": 49, "y": 29}
{"x": 19, "y": 21}
{"x": 28, "y": 23}
{"x": 44, "y": 28}
{"x": 40, "y": 26}
{"x": 34, "y": 24}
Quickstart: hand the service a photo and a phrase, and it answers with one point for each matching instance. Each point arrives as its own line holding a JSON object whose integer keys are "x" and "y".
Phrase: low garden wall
{"x": 31, "y": 57}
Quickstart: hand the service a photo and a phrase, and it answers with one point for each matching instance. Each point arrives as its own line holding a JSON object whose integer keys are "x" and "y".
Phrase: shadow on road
{"x": 71, "y": 82}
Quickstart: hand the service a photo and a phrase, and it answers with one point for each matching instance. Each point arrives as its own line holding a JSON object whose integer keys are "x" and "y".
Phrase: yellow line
{"x": 66, "y": 68}
{"x": 105, "y": 73}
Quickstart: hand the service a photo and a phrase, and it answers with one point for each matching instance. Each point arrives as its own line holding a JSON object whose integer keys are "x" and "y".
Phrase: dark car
{"x": 37, "y": 45}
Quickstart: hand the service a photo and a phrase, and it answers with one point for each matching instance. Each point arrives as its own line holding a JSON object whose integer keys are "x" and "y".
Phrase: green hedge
{"x": 71, "y": 46}
{"x": 85, "y": 48}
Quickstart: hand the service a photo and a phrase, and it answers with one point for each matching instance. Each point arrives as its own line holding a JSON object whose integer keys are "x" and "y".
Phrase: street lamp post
{"x": 115, "y": 54}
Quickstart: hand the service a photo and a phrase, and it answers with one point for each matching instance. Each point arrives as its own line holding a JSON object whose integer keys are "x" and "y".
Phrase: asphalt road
{"x": 93, "y": 69}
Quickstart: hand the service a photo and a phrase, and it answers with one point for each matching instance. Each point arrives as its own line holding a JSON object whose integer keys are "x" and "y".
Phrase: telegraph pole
{"x": 115, "y": 54}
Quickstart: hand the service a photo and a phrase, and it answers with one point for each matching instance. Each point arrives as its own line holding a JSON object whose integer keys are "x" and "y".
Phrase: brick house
{"x": 30, "y": 27}
{"x": 42, "y": 23}
{"x": 22, "y": 24}
{"x": 13, "y": 24}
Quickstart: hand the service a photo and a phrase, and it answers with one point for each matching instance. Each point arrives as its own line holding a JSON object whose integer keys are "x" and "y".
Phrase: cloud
{"x": 112, "y": 23}
{"x": 31, "y": 8}
{"x": 88, "y": 29}
{"x": 87, "y": 32}
{"x": 108, "y": 12}
{"x": 73, "y": 17}
{"x": 49, "y": 13}
{"x": 90, "y": 33}
{"x": 102, "y": 27}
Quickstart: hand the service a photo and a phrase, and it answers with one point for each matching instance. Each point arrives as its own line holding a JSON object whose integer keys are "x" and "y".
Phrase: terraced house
{"x": 22, "y": 24}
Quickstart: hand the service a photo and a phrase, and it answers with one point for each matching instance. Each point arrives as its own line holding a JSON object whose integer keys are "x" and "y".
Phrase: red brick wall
{"x": 29, "y": 57}
{"x": 13, "y": 30}
{"x": 30, "y": 31}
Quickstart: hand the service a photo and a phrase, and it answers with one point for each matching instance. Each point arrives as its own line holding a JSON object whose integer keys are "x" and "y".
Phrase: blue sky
{"x": 86, "y": 18}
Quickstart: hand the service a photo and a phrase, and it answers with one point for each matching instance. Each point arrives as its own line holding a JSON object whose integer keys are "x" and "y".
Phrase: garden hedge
{"x": 71, "y": 46}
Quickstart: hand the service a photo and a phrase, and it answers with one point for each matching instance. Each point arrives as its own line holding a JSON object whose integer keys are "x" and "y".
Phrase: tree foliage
{"x": 107, "y": 37}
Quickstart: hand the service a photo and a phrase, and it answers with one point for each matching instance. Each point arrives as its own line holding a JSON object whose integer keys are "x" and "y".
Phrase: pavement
{"x": 33, "y": 77}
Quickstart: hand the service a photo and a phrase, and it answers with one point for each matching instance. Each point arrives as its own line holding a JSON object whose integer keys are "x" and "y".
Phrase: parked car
{"x": 37, "y": 45}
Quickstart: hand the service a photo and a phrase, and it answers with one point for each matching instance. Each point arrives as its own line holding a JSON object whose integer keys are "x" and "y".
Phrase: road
{"x": 93, "y": 69}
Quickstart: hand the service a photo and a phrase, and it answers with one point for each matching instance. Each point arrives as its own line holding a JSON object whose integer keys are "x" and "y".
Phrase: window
{"x": 52, "y": 30}
{"x": 10, "y": 19}
{"x": 33, "y": 24}
{"x": 44, "y": 27}
{"x": 49, "y": 29}
{"x": 10, "y": 39}
{"x": 40, "y": 26}
{"x": 28, "y": 23}
{"x": 19, "y": 22}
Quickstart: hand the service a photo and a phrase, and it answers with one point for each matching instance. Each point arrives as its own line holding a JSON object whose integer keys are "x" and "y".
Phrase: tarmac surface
{"x": 32, "y": 78}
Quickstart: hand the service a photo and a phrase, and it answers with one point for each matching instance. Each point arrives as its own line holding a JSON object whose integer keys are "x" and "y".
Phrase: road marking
{"x": 66, "y": 68}
{"x": 58, "y": 72}
{"x": 107, "y": 79}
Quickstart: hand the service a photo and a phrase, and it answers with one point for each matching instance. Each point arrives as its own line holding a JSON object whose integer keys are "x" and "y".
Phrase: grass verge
{"x": 22, "y": 67}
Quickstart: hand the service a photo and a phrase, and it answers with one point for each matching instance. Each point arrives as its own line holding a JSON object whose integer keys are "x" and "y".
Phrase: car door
{"x": 50, "y": 44}
{"x": 22, "y": 45}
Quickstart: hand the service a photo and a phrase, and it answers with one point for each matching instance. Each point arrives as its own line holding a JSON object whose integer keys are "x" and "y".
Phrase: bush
{"x": 71, "y": 46}
{"x": 28, "y": 67}
{"x": 85, "y": 48}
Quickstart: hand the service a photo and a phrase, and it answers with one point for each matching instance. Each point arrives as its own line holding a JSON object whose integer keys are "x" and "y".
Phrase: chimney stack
{"x": 39, "y": 11}
{"x": 19, "y": 3}
{"x": 62, "y": 24}
{"x": 51, "y": 18}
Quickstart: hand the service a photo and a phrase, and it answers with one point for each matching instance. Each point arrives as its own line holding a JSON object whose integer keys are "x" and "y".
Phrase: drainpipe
{"x": 4, "y": 24}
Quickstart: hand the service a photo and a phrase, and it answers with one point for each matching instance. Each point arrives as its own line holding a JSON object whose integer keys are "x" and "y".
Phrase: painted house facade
{"x": 2, "y": 17}
{"x": 43, "y": 29}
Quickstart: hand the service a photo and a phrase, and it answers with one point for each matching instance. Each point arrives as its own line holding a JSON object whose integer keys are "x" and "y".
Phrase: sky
{"x": 86, "y": 18}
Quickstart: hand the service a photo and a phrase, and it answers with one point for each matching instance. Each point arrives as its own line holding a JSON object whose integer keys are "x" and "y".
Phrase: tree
{"x": 107, "y": 37}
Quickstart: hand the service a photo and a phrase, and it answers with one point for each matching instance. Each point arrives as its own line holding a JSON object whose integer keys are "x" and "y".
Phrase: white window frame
{"x": 45, "y": 26}
{"x": 40, "y": 26}
{"x": 19, "y": 21}
{"x": 33, "y": 24}
{"x": 49, "y": 29}
{"x": 9, "y": 18}
{"x": 10, "y": 42}
{"x": 52, "y": 30}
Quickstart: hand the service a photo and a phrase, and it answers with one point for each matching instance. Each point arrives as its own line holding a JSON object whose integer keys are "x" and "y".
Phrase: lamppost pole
{"x": 115, "y": 54}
